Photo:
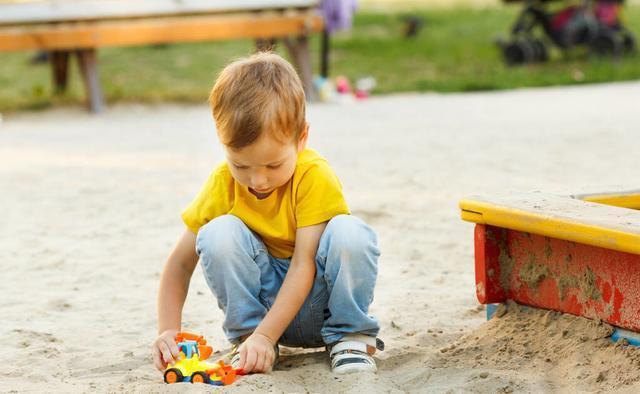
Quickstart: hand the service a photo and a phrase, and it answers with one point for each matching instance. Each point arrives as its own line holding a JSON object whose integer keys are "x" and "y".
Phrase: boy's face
{"x": 266, "y": 164}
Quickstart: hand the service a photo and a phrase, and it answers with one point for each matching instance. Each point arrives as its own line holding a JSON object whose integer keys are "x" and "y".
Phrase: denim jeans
{"x": 245, "y": 279}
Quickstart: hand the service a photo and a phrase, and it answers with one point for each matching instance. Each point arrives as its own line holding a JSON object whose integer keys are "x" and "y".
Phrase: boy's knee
{"x": 351, "y": 236}
{"x": 220, "y": 235}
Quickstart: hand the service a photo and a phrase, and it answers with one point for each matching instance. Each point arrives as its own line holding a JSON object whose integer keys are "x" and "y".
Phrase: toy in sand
{"x": 192, "y": 367}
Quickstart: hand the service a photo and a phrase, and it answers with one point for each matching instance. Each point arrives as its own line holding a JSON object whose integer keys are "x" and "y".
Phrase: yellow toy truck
{"x": 192, "y": 367}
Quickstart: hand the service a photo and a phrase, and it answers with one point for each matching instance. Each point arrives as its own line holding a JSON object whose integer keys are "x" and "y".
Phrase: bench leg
{"x": 89, "y": 69}
{"x": 299, "y": 51}
{"x": 324, "y": 54}
{"x": 60, "y": 69}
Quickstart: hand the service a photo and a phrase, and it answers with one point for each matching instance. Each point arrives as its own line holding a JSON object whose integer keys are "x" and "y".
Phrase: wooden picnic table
{"x": 79, "y": 27}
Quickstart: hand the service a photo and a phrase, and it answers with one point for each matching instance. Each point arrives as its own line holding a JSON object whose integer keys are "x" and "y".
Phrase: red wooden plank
{"x": 555, "y": 274}
{"x": 487, "y": 254}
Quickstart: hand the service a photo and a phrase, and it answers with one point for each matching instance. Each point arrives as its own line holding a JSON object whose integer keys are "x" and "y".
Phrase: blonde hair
{"x": 257, "y": 94}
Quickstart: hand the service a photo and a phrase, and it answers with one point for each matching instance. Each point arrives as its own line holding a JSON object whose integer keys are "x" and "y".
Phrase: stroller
{"x": 594, "y": 24}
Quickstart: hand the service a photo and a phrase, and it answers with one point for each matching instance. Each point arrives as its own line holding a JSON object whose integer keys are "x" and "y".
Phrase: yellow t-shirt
{"x": 313, "y": 195}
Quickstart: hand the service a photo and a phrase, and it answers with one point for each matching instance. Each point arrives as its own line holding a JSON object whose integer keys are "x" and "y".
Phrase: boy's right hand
{"x": 257, "y": 354}
{"x": 165, "y": 350}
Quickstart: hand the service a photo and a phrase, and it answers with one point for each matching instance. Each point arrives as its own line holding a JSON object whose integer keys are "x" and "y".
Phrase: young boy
{"x": 279, "y": 250}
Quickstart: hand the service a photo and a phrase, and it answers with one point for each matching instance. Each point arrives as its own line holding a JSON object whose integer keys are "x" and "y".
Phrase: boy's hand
{"x": 257, "y": 354}
{"x": 165, "y": 350}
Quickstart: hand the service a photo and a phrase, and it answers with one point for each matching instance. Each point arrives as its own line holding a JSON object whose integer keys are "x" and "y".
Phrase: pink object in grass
{"x": 342, "y": 84}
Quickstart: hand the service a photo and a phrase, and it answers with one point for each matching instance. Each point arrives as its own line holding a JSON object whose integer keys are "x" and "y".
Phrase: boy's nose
{"x": 258, "y": 181}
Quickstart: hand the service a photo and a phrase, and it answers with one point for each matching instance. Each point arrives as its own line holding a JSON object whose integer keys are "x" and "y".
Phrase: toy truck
{"x": 192, "y": 367}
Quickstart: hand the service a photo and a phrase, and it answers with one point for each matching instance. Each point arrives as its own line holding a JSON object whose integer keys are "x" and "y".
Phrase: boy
{"x": 278, "y": 248}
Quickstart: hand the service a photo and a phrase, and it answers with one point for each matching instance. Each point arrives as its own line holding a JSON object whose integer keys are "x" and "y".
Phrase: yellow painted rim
{"x": 629, "y": 200}
{"x": 561, "y": 228}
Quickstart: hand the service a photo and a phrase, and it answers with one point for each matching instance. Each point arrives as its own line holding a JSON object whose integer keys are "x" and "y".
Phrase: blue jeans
{"x": 245, "y": 279}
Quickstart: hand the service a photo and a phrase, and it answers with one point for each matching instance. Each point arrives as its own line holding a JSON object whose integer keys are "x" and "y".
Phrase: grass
{"x": 453, "y": 52}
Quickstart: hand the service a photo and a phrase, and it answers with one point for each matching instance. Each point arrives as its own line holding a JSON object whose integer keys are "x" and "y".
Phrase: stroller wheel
{"x": 540, "y": 50}
{"x": 606, "y": 43}
{"x": 628, "y": 42}
{"x": 525, "y": 50}
{"x": 519, "y": 52}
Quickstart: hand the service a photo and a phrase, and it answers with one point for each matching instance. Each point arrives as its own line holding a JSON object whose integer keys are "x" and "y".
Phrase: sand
{"x": 90, "y": 210}
{"x": 552, "y": 351}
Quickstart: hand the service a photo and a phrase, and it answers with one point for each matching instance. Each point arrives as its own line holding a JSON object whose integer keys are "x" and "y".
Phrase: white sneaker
{"x": 350, "y": 355}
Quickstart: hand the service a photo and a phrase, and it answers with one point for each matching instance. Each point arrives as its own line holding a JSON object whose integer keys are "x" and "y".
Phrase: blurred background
{"x": 90, "y": 205}
{"x": 398, "y": 45}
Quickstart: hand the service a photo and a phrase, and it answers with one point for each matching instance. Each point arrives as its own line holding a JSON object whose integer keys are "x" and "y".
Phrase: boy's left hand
{"x": 257, "y": 354}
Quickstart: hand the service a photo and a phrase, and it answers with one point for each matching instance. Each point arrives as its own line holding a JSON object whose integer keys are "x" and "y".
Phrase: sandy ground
{"x": 90, "y": 210}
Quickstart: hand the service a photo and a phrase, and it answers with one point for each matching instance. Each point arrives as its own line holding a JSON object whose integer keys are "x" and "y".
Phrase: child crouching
{"x": 285, "y": 260}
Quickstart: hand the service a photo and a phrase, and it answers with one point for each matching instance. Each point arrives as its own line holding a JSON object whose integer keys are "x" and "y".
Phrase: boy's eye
{"x": 274, "y": 167}
{"x": 240, "y": 167}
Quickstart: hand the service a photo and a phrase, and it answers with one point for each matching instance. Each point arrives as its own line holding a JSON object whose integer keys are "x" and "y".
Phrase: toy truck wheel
{"x": 173, "y": 375}
{"x": 199, "y": 377}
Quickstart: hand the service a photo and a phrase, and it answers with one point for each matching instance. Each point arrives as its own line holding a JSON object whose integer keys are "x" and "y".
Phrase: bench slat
{"x": 157, "y": 30}
{"x": 40, "y": 11}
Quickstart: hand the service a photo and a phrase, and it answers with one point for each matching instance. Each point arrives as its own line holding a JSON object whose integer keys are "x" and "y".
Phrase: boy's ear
{"x": 302, "y": 140}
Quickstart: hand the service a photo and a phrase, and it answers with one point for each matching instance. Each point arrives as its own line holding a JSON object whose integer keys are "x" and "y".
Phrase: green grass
{"x": 454, "y": 52}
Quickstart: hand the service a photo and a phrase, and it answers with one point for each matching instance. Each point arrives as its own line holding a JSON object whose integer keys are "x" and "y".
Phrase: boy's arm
{"x": 297, "y": 283}
{"x": 174, "y": 282}
{"x": 174, "y": 285}
{"x": 295, "y": 289}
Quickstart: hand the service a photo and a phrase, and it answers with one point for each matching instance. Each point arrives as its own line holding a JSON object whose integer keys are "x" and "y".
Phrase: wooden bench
{"x": 79, "y": 27}
{"x": 578, "y": 254}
